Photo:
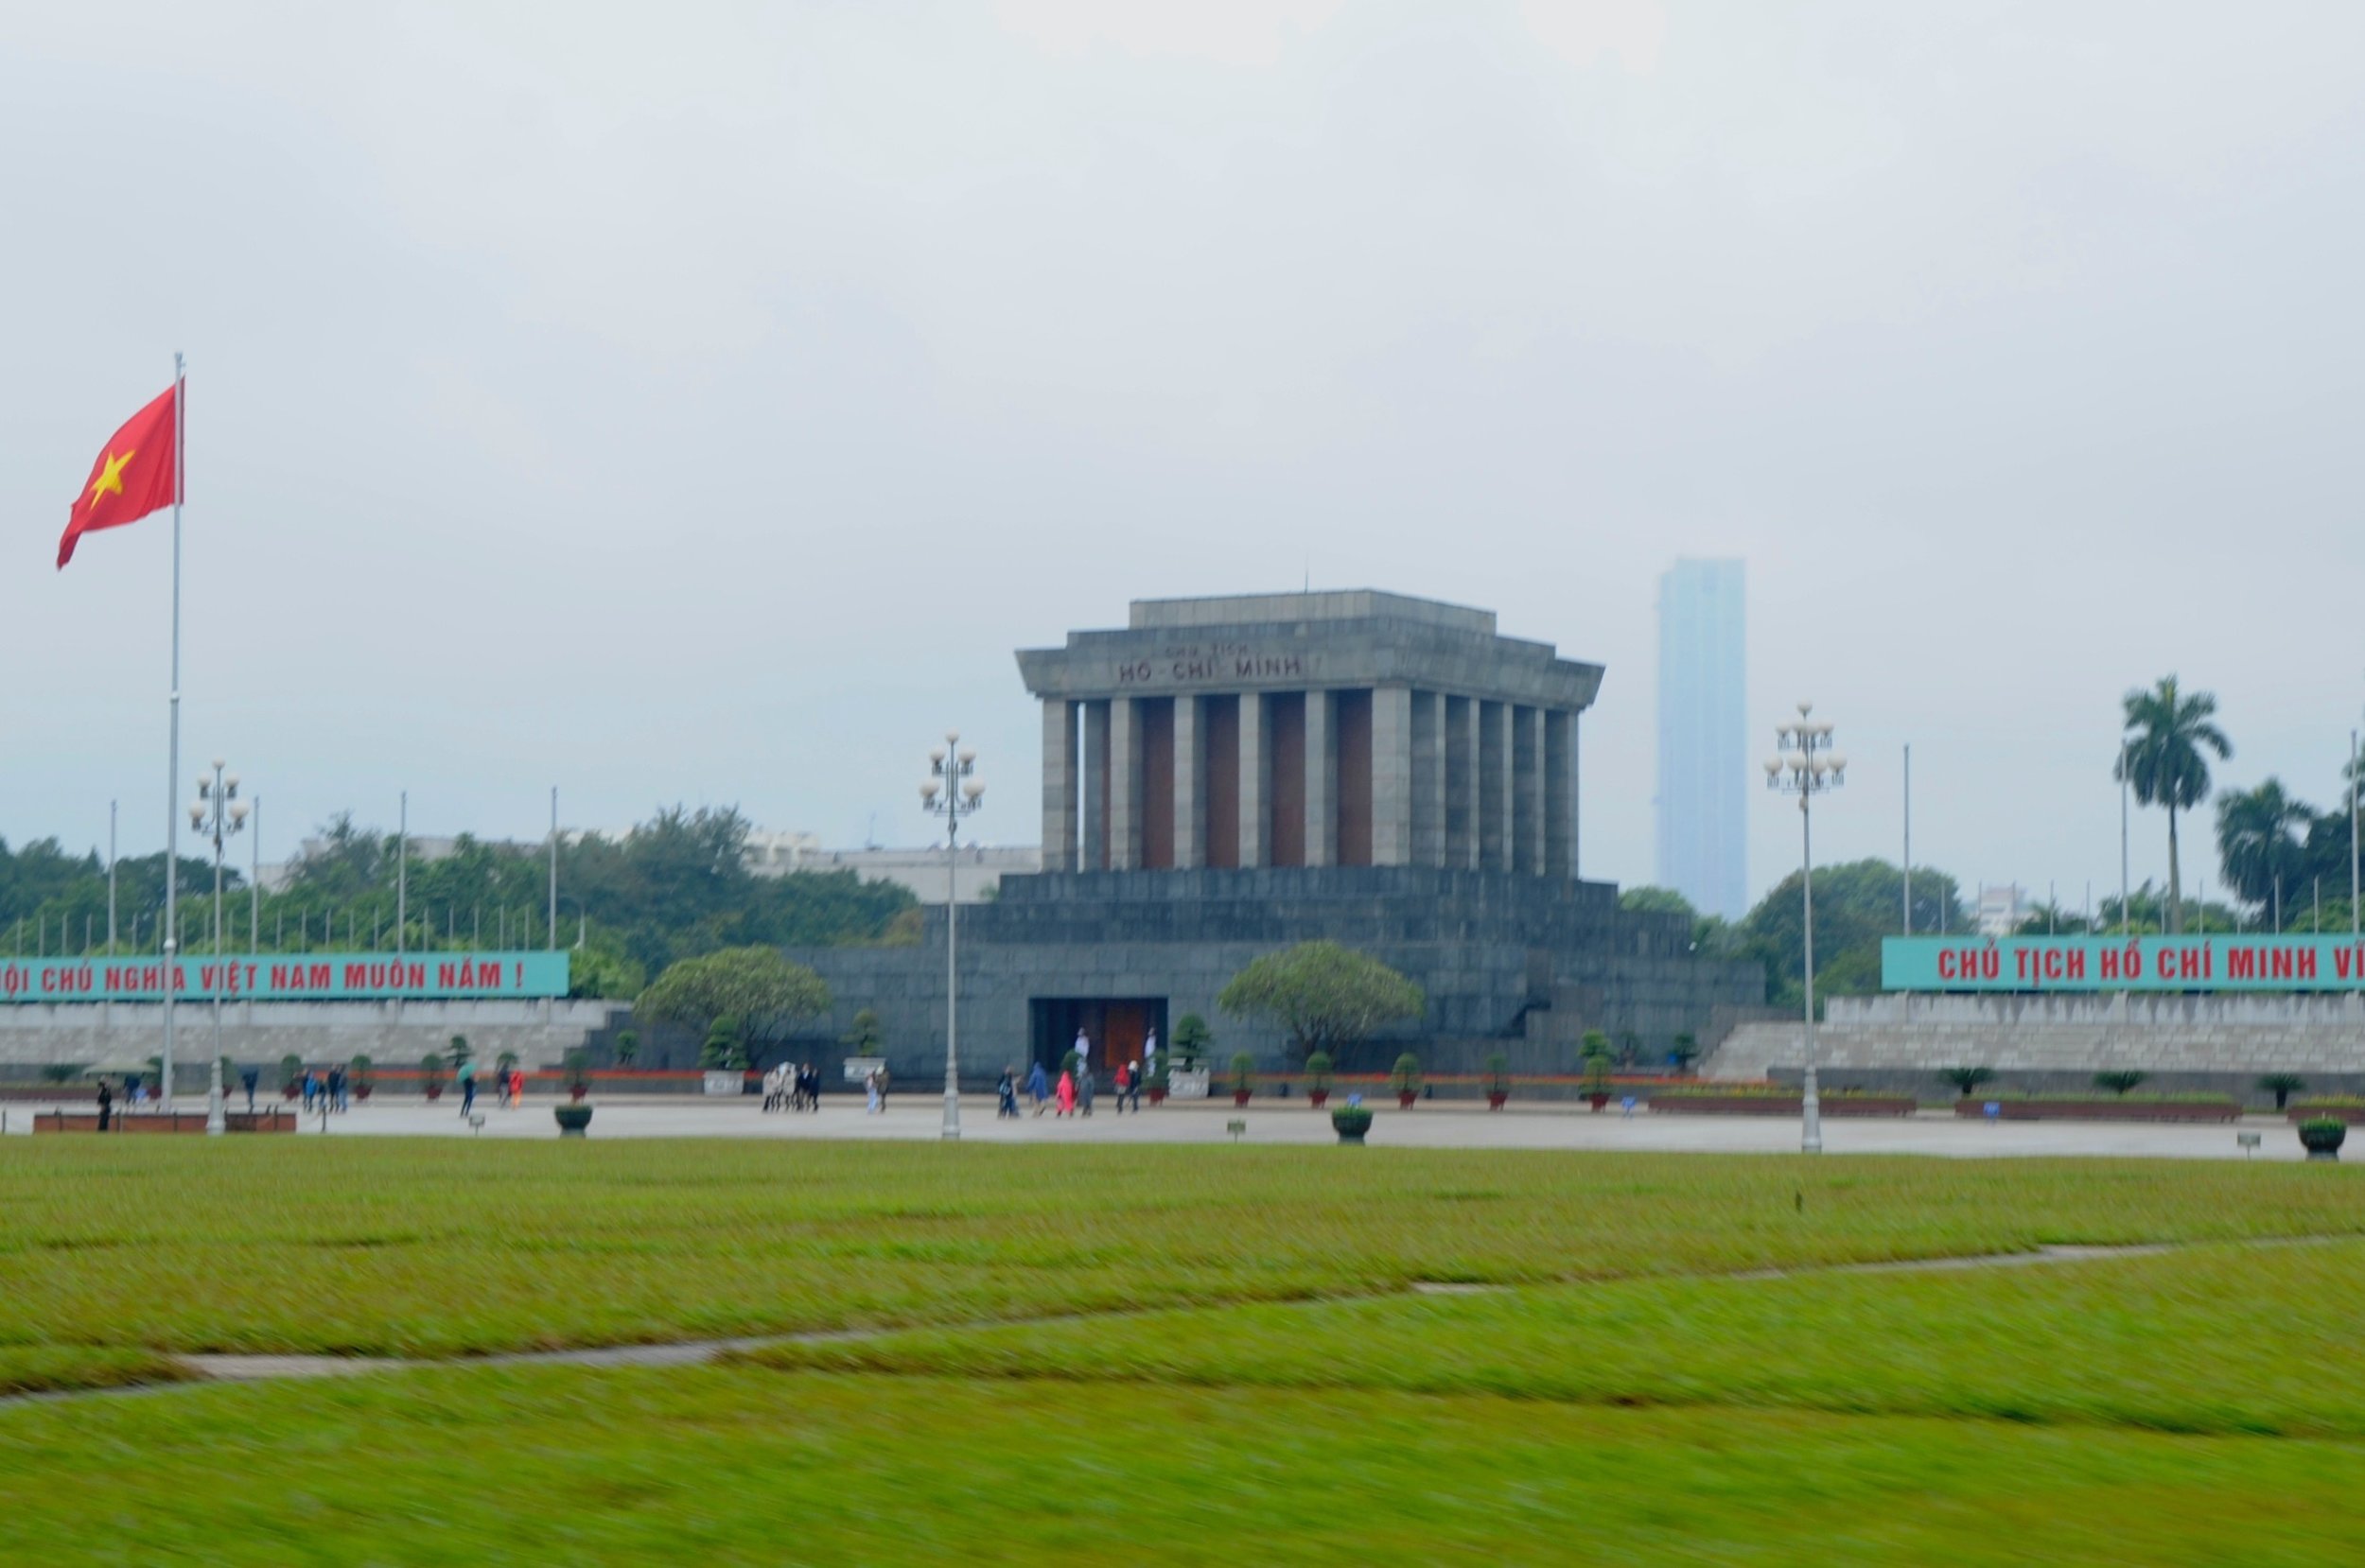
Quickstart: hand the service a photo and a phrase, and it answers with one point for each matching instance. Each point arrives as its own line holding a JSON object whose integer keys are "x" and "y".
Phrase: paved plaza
{"x": 1430, "y": 1125}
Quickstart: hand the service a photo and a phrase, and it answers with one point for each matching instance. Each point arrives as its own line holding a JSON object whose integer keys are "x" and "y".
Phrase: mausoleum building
{"x": 1225, "y": 777}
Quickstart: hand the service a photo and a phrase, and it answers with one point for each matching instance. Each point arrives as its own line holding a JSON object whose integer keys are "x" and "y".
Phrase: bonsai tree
{"x": 431, "y": 1075}
{"x": 462, "y": 1053}
{"x": 1070, "y": 1061}
{"x": 1192, "y": 1041}
{"x": 721, "y": 1048}
{"x": 1598, "y": 1058}
{"x": 2120, "y": 1082}
{"x": 578, "y": 1060}
{"x": 290, "y": 1072}
{"x": 505, "y": 1063}
{"x": 1325, "y": 997}
{"x": 762, "y": 994}
{"x": 2283, "y": 1086}
{"x": 865, "y": 1039}
{"x": 1498, "y": 1078}
{"x": 60, "y": 1072}
{"x": 1966, "y": 1079}
{"x": 627, "y": 1047}
{"x": 1318, "y": 1078}
{"x": 1243, "y": 1076}
{"x": 359, "y": 1069}
{"x": 1683, "y": 1053}
{"x": 1405, "y": 1078}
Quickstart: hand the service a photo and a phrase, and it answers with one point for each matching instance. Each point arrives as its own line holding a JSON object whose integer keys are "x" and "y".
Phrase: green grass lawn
{"x": 1270, "y": 1391}
{"x": 391, "y": 1246}
{"x": 2218, "y": 1339}
{"x": 717, "y": 1466}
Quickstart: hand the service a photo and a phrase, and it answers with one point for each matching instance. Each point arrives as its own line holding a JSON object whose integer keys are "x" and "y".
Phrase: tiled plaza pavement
{"x": 1431, "y": 1125}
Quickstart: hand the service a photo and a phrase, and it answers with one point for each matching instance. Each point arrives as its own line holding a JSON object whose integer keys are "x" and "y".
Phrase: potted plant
{"x": 431, "y": 1076}
{"x": 1598, "y": 1058}
{"x": 571, "y": 1119}
{"x": 1158, "y": 1083}
{"x": 627, "y": 1047}
{"x": 2283, "y": 1086}
{"x": 1966, "y": 1079}
{"x": 1352, "y": 1120}
{"x": 1498, "y": 1080}
{"x": 1683, "y": 1054}
{"x": 1243, "y": 1077}
{"x": 1318, "y": 1079}
{"x": 2322, "y": 1136}
{"x": 578, "y": 1073}
{"x": 362, "y": 1081}
{"x": 2120, "y": 1083}
{"x": 1405, "y": 1078}
{"x": 291, "y": 1076}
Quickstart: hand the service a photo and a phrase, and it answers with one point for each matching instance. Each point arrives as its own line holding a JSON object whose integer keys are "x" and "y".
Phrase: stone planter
{"x": 1351, "y": 1123}
{"x": 1317, "y": 1097}
{"x": 1597, "y": 1100}
{"x": 434, "y": 1093}
{"x": 571, "y": 1120}
{"x": 1239, "y": 1097}
{"x": 289, "y": 1092}
{"x": 2109, "y": 1109}
{"x": 1495, "y": 1098}
{"x": 2322, "y": 1138}
{"x": 1405, "y": 1098}
{"x": 362, "y": 1091}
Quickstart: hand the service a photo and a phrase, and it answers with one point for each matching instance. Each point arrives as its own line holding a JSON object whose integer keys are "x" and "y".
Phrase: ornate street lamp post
{"x": 219, "y": 814}
{"x": 1805, "y": 765}
{"x": 950, "y": 794}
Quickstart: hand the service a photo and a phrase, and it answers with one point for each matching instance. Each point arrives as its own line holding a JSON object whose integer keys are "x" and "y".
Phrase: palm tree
{"x": 2259, "y": 840}
{"x": 2160, "y": 756}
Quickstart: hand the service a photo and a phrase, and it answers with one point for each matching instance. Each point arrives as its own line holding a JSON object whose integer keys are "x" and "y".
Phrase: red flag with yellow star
{"x": 137, "y": 474}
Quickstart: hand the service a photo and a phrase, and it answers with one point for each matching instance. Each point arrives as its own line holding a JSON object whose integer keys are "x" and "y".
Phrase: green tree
{"x": 758, "y": 987}
{"x": 865, "y": 1039}
{"x": 2262, "y": 851}
{"x": 2162, "y": 758}
{"x": 1657, "y": 900}
{"x": 1856, "y": 904}
{"x": 627, "y": 1045}
{"x": 1192, "y": 1040}
{"x": 1326, "y": 997}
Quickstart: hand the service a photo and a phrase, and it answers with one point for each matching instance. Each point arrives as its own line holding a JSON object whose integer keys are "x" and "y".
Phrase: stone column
{"x": 1428, "y": 779}
{"x": 1322, "y": 773}
{"x": 1528, "y": 781}
{"x": 1125, "y": 785}
{"x": 1493, "y": 780}
{"x": 1254, "y": 850}
{"x": 1094, "y": 850}
{"x": 1058, "y": 784}
{"x": 1392, "y": 775}
{"x": 1462, "y": 783}
{"x": 1190, "y": 801}
{"x": 1576, "y": 796}
{"x": 1560, "y": 792}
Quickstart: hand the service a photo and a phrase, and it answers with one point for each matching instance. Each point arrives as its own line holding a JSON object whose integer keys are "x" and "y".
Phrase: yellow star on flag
{"x": 111, "y": 477}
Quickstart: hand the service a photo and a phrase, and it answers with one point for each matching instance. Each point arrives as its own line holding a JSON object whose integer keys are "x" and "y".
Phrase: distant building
{"x": 1703, "y": 737}
{"x": 2002, "y": 910}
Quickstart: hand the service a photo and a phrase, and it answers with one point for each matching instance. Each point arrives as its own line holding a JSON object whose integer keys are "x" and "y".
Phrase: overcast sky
{"x": 700, "y": 403}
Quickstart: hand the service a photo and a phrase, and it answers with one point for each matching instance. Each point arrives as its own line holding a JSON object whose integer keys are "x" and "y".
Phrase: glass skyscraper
{"x": 1703, "y": 734}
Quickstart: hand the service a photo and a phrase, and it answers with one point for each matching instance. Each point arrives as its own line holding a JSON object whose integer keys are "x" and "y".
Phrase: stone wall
{"x": 2068, "y": 1037}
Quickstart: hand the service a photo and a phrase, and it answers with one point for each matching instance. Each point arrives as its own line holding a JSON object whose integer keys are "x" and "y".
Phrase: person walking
{"x": 106, "y": 1104}
{"x": 1038, "y": 1087}
{"x": 1085, "y": 1086}
{"x": 337, "y": 1088}
{"x": 517, "y": 1088}
{"x": 1006, "y": 1094}
{"x": 467, "y": 1087}
{"x": 1066, "y": 1094}
{"x": 870, "y": 1088}
{"x": 1133, "y": 1082}
{"x": 1123, "y": 1081}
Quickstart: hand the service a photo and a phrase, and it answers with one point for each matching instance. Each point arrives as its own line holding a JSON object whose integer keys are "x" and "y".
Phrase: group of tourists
{"x": 1072, "y": 1094}
{"x": 327, "y": 1089}
{"x": 509, "y": 1087}
{"x": 792, "y": 1086}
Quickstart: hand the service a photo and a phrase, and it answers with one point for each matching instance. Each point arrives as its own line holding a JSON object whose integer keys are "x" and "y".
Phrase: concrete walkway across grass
{"x": 1430, "y": 1125}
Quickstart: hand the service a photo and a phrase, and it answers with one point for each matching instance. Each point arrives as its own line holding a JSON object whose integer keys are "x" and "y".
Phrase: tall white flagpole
{"x": 172, "y": 768}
